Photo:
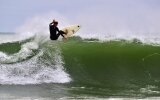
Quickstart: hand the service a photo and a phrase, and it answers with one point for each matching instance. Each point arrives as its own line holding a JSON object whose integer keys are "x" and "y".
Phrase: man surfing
{"x": 54, "y": 30}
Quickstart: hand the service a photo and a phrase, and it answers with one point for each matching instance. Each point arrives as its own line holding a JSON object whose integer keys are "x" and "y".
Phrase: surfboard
{"x": 70, "y": 30}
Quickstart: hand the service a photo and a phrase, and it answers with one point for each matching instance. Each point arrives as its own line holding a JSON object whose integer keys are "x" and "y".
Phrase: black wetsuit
{"x": 53, "y": 32}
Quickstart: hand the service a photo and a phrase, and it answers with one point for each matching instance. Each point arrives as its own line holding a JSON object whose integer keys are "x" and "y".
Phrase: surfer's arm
{"x": 57, "y": 29}
{"x": 50, "y": 24}
{"x": 60, "y": 32}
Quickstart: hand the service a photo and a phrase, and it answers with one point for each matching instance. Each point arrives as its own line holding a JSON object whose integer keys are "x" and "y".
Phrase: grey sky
{"x": 112, "y": 15}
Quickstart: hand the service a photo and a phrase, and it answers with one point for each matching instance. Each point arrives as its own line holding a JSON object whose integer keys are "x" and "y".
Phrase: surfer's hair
{"x": 55, "y": 22}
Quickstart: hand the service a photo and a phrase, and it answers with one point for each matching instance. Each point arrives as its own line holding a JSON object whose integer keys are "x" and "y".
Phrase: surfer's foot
{"x": 65, "y": 38}
{"x": 65, "y": 33}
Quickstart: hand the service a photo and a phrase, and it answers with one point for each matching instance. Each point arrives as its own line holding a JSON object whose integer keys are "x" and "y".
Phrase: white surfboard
{"x": 70, "y": 30}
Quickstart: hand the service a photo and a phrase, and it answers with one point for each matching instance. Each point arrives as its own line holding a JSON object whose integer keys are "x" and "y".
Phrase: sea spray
{"x": 38, "y": 61}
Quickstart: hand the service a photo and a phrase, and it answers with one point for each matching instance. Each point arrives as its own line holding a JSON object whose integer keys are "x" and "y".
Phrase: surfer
{"x": 54, "y": 31}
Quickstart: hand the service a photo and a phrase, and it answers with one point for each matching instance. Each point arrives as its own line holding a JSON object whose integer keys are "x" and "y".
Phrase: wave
{"x": 113, "y": 64}
{"x": 116, "y": 62}
{"x": 32, "y": 61}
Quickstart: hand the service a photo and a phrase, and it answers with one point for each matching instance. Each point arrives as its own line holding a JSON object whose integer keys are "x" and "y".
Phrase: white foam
{"x": 150, "y": 89}
{"x": 34, "y": 71}
{"x": 17, "y": 69}
{"x": 26, "y": 51}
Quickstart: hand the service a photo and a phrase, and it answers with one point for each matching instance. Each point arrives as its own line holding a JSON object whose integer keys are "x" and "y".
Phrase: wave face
{"x": 31, "y": 62}
{"x": 128, "y": 68}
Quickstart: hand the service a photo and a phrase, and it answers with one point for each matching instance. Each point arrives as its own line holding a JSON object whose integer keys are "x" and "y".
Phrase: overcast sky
{"x": 110, "y": 14}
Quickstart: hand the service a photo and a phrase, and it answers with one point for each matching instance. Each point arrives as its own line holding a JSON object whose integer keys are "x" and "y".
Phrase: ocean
{"x": 37, "y": 68}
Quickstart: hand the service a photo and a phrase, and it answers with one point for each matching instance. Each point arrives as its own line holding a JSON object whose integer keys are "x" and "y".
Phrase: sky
{"x": 95, "y": 16}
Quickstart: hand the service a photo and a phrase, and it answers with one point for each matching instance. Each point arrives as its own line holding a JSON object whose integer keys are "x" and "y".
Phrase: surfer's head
{"x": 55, "y": 22}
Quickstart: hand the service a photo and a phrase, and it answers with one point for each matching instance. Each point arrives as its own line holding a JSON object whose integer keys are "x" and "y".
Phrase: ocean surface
{"x": 91, "y": 69}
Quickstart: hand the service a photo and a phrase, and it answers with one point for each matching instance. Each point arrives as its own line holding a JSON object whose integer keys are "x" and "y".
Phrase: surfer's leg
{"x": 60, "y": 33}
{"x": 54, "y": 38}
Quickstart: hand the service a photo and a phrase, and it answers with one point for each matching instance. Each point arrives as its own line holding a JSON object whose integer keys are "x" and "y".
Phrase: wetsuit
{"x": 53, "y": 32}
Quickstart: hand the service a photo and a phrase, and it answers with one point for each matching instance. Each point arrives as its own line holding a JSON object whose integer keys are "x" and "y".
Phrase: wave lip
{"x": 26, "y": 51}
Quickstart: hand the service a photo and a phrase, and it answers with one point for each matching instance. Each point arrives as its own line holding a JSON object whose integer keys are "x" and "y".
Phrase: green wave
{"x": 111, "y": 68}
{"x": 115, "y": 65}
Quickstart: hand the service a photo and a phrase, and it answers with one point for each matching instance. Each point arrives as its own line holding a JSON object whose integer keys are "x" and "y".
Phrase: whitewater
{"x": 32, "y": 64}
